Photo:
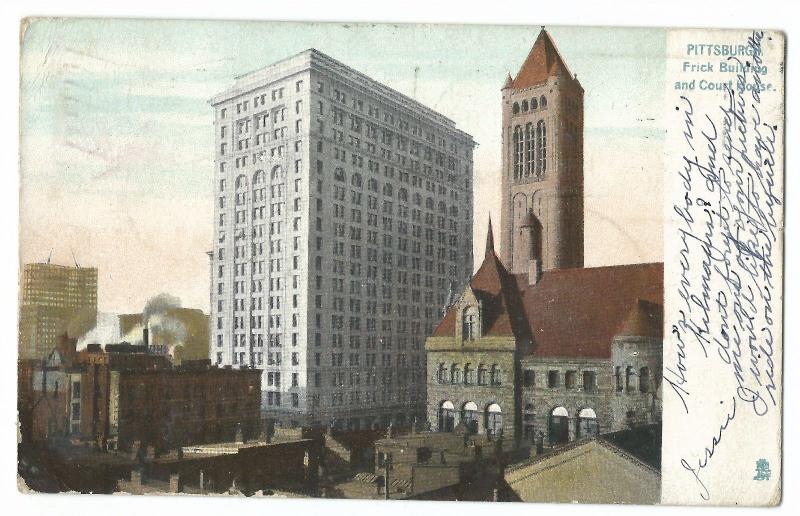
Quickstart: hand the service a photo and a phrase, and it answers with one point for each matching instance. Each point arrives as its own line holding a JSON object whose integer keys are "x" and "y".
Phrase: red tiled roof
{"x": 577, "y": 312}
{"x": 568, "y": 312}
{"x": 542, "y": 62}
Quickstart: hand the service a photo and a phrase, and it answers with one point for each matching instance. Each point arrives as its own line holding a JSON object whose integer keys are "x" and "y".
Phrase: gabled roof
{"x": 567, "y": 313}
{"x": 577, "y": 312}
{"x": 543, "y": 61}
{"x": 496, "y": 289}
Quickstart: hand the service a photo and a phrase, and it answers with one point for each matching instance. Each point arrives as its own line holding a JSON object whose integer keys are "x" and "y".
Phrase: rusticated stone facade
{"x": 573, "y": 354}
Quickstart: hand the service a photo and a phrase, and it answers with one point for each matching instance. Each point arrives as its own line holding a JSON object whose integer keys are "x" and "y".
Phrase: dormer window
{"x": 471, "y": 323}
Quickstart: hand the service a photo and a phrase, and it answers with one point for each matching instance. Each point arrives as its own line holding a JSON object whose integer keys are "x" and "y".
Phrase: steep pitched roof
{"x": 543, "y": 61}
{"x": 577, "y": 312}
{"x": 496, "y": 289}
{"x": 568, "y": 313}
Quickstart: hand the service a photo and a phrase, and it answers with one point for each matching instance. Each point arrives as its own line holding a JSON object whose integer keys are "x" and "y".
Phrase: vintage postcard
{"x": 491, "y": 263}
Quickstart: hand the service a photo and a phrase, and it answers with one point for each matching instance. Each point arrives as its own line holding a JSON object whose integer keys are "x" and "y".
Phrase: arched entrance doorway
{"x": 558, "y": 427}
{"x": 469, "y": 415}
{"x": 587, "y": 423}
{"x": 494, "y": 419}
{"x": 447, "y": 417}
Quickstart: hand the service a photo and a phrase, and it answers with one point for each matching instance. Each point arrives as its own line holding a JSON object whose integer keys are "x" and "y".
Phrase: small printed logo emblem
{"x": 762, "y": 470}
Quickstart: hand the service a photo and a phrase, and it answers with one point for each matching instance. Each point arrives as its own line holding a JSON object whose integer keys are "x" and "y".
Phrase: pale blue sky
{"x": 117, "y": 143}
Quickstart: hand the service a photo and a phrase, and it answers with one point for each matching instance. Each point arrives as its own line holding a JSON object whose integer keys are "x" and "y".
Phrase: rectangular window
{"x": 529, "y": 379}
{"x": 552, "y": 379}
{"x": 589, "y": 381}
{"x": 570, "y": 379}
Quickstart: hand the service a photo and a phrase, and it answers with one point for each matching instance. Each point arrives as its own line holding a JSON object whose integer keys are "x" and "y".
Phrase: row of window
{"x": 525, "y": 106}
{"x": 404, "y": 126}
{"x": 482, "y": 375}
{"x": 244, "y": 104}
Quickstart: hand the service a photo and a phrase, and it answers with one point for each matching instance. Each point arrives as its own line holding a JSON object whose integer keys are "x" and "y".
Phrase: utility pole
{"x": 387, "y": 465}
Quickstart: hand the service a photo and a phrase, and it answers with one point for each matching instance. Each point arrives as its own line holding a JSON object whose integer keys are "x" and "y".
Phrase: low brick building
{"x": 123, "y": 397}
{"x": 554, "y": 355}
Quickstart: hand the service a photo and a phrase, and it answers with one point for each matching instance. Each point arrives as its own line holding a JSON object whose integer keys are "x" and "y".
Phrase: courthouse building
{"x": 55, "y": 299}
{"x": 537, "y": 345}
{"x": 343, "y": 217}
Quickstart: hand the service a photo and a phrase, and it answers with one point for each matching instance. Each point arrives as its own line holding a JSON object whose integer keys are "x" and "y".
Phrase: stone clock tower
{"x": 542, "y": 182}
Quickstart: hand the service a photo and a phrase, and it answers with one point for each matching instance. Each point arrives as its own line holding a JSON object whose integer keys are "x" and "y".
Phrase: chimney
{"x": 146, "y": 335}
{"x": 136, "y": 477}
{"x": 534, "y": 271}
{"x": 175, "y": 483}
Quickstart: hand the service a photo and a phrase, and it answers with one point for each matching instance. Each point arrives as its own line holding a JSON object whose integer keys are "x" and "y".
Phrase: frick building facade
{"x": 343, "y": 217}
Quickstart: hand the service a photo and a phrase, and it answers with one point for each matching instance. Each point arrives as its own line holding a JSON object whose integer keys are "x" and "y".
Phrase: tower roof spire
{"x": 543, "y": 61}
{"x": 490, "y": 239}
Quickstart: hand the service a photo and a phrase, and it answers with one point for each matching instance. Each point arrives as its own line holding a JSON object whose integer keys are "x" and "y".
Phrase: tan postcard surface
{"x": 492, "y": 263}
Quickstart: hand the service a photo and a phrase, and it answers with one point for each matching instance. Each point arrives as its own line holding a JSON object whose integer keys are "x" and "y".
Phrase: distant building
{"x": 179, "y": 333}
{"x": 54, "y": 299}
{"x": 342, "y": 216}
{"x": 123, "y": 397}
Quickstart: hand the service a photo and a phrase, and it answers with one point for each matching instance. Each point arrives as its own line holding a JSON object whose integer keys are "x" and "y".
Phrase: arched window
{"x": 630, "y": 379}
{"x": 429, "y": 203}
{"x": 518, "y": 150}
{"x": 470, "y": 326}
{"x": 481, "y": 374}
{"x": 258, "y": 178}
{"x": 515, "y": 108}
{"x": 543, "y": 101}
{"x": 441, "y": 374}
{"x": 446, "y": 416}
{"x": 558, "y": 426}
{"x": 541, "y": 147}
{"x": 372, "y": 185}
{"x": 402, "y": 194}
{"x": 524, "y": 106}
{"x": 529, "y": 145}
{"x": 442, "y": 207}
{"x": 494, "y": 419}
{"x": 534, "y": 103}
{"x": 387, "y": 190}
{"x": 241, "y": 192}
{"x": 469, "y": 415}
{"x": 455, "y": 374}
{"x": 469, "y": 374}
{"x": 497, "y": 375}
{"x": 356, "y": 180}
{"x": 644, "y": 379}
{"x": 587, "y": 423}
{"x": 277, "y": 172}
{"x": 338, "y": 174}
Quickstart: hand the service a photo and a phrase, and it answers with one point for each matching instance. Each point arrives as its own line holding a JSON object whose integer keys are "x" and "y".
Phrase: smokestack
{"x": 146, "y": 335}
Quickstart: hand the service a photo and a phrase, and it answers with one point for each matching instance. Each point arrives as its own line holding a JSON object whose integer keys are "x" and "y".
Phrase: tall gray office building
{"x": 343, "y": 216}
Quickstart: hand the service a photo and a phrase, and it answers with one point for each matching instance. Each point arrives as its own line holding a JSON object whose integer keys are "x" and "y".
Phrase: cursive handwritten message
{"x": 729, "y": 232}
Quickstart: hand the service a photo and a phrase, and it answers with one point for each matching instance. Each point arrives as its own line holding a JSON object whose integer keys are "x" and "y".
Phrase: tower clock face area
{"x": 542, "y": 150}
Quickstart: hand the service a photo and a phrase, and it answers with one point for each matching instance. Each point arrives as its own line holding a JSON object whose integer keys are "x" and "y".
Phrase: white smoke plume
{"x": 164, "y": 329}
